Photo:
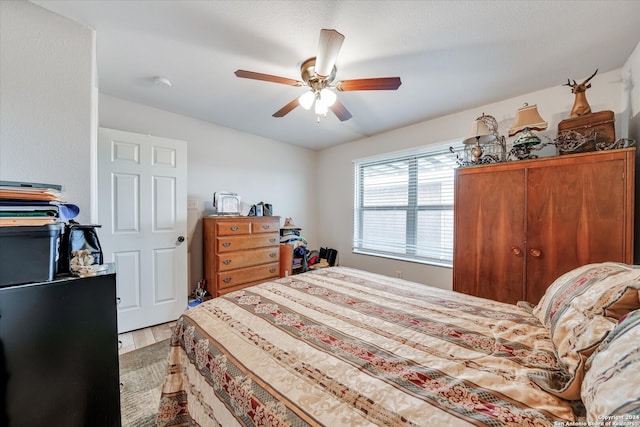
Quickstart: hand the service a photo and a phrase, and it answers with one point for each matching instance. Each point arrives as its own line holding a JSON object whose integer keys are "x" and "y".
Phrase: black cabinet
{"x": 59, "y": 353}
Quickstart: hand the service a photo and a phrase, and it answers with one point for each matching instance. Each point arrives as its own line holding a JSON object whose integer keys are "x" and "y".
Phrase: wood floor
{"x": 144, "y": 337}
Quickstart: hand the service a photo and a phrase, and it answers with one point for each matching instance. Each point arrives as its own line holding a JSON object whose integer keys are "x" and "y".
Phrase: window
{"x": 403, "y": 206}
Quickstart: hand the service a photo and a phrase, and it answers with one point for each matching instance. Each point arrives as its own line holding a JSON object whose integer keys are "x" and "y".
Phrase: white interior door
{"x": 142, "y": 207}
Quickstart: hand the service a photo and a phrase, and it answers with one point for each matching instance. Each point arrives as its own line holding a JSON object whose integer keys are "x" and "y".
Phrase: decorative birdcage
{"x": 483, "y": 145}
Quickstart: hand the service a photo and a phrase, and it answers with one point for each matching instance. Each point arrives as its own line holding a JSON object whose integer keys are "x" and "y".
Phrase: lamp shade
{"x": 321, "y": 107}
{"x": 306, "y": 99}
{"x": 527, "y": 117}
{"x": 328, "y": 97}
{"x": 479, "y": 133}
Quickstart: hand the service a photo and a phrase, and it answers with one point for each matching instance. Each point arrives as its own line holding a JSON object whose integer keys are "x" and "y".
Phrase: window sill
{"x": 445, "y": 264}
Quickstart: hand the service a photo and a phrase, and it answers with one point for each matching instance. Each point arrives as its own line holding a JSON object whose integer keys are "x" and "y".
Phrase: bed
{"x": 344, "y": 347}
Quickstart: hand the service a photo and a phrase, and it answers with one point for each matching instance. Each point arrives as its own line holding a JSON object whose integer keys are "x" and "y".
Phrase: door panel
{"x": 143, "y": 209}
{"x": 163, "y": 262}
{"x": 576, "y": 216}
{"x": 489, "y": 234}
{"x": 126, "y": 203}
{"x": 128, "y": 266}
{"x": 164, "y": 203}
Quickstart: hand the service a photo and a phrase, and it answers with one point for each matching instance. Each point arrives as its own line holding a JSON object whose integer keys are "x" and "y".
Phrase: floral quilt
{"x": 344, "y": 347}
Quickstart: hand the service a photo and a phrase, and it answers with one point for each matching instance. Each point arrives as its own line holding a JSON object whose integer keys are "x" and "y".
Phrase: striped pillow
{"x": 611, "y": 385}
{"x": 580, "y": 308}
{"x": 594, "y": 279}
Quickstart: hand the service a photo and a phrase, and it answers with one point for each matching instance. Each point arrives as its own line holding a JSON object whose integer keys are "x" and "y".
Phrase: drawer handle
{"x": 516, "y": 251}
{"x": 226, "y": 244}
{"x": 226, "y": 279}
{"x": 226, "y": 262}
{"x": 272, "y": 270}
{"x": 266, "y": 227}
{"x": 272, "y": 240}
{"x": 535, "y": 252}
{"x": 273, "y": 254}
{"x": 234, "y": 228}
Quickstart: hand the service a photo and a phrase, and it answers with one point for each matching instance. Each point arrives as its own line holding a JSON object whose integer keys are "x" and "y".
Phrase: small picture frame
{"x": 258, "y": 210}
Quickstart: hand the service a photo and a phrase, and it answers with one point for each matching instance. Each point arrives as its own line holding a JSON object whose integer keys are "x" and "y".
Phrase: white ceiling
{"x": 450, "y": 55}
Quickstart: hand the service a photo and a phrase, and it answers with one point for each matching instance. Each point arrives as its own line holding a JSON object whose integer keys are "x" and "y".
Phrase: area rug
{"x": 141, "y": 374}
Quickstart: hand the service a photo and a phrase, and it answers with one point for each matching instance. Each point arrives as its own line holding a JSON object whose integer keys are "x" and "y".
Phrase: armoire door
{"x": 489, "y": 211}
{"x": 576, "y": 215}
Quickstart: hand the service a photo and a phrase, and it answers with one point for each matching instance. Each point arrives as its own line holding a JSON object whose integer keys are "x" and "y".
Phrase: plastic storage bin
{"x": 28, "y": 253}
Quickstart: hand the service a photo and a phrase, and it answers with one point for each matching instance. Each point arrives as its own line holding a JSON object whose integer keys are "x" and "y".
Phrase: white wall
{"x": 631, "y": 102}
{"x": 47, "y": 100}
{"x": 335, "y": 207}
{"x": 631, "y": 73}
{"x": 631, "y": 93}
{"x": 222, "y": 159}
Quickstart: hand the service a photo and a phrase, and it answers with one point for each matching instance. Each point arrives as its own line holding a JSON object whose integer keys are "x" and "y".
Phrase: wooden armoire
{"x": 520, "y": 225}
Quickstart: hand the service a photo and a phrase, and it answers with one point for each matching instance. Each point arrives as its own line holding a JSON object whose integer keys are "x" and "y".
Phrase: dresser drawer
{"x": 249, "y": 241}
{"x": 231, "y": 228}
{"x": 241, "y": 259}
{"x": 228, "y": 279}
{"x": 265, "y": 225}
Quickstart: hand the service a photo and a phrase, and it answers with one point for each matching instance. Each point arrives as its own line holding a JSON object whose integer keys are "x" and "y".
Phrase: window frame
{"x": 412, "y": 209}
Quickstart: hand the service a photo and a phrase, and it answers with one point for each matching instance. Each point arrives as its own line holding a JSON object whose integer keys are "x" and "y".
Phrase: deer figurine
{"x": 580, "y": 104}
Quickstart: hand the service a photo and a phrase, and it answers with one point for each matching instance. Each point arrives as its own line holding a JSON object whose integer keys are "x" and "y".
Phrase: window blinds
{"x": 403, "y": 206}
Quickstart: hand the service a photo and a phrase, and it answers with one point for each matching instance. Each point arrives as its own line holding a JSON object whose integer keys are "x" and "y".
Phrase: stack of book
{"x": 29, "y": 204}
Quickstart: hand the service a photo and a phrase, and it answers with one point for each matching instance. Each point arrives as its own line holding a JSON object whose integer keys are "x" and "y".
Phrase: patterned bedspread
{"x": 343, "y": 347}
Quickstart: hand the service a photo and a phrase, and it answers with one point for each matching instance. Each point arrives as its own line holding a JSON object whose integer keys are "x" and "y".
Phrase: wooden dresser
{"x": 520, "y": 225}
{"x": 240, "y": 251}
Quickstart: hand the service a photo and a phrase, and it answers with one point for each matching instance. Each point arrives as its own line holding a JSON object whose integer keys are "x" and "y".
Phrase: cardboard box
{"x": 591, "y": 132}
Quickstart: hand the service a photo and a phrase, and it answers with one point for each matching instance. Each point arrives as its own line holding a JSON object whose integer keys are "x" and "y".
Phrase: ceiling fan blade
{"x": 287, "y": 108}
{"x": 267, "y": 78}
{"x": 328, "y": 49}
{"x": 340, "y": 111}
{"x": 376, "y": 83}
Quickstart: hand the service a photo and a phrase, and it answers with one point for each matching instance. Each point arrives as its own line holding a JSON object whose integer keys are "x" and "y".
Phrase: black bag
{"x": 261, "y": 209}
{"x": 330, "y": 255}
{"x": 267, "y": 210}
{"x": 77, "y": 237}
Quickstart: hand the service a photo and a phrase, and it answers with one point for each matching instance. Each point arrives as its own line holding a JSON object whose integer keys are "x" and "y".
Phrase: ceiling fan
{"x": 318, "y": 74}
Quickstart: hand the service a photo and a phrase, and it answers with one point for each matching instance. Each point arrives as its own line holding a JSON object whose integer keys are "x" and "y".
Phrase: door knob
{"x": 180, "y": 239}
{"x": 535, "y": 252}
{"x": 516, "y": 251}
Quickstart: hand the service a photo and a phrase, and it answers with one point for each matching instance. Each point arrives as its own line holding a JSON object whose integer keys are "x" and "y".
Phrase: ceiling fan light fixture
{"x": 328, "y": 97}
{"x": 306, "y": 100}
{"x": 321, "y": 107}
